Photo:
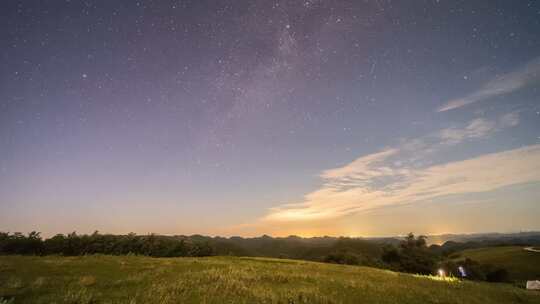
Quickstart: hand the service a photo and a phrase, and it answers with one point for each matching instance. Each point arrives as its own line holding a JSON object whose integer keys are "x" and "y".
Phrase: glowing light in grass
{"x": 448, "y": 279}
{"x": 441, "y": 273}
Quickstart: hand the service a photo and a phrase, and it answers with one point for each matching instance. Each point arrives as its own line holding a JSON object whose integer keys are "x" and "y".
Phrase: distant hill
{"x": 531, "y": 237}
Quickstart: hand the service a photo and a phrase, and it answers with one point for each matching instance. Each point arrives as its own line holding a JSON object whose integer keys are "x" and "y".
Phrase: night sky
{"x": 361, "y": 118}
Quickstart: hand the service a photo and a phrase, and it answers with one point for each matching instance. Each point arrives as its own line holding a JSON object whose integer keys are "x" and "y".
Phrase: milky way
{"x": 223, "y": 117}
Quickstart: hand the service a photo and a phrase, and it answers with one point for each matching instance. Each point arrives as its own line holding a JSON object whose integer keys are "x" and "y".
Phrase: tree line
{"x": 73, "y": 244}
{"x": 409, "y": 254}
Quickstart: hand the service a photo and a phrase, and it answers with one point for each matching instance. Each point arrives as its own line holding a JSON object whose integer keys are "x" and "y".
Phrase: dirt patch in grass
{"x": 87, "y": 280}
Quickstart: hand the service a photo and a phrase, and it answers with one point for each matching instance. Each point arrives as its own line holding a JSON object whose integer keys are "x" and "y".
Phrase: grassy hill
{"x": 522, "y": 265}
{"x": 132, "y": 279}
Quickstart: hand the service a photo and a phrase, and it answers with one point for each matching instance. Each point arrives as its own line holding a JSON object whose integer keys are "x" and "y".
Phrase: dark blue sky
{"x": 279, "y": 117}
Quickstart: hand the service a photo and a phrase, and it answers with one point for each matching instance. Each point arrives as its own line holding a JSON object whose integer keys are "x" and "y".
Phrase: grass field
{"x": 522, "y": 265}
{"x": 132, "y": 279}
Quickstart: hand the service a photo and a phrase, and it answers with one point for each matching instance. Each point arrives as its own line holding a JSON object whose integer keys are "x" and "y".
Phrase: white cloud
{"x": 509, "y": 120}
{"x": 476, "y": 129}
{"x": 349, "y": 190}
{"x": 504, "y": 84}
{"x": 403, "y": 174}
{"x": 362, "y": 166}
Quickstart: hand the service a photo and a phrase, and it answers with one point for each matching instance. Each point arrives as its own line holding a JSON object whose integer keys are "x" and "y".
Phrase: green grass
{"x": 522, "y": 265}
{"x": 132, "y": 279}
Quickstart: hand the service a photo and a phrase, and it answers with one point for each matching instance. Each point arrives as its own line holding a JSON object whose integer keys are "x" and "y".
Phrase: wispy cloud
{"x": 477, "y": 128}
{"x": 402, "y": 175}
{"x": 504, "y": 84}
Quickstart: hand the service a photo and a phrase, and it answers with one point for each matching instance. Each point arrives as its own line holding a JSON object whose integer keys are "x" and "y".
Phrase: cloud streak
{"x": 402, "y": 175}
{"x": 504, "y": 84}
{"x": 477, "y": 128}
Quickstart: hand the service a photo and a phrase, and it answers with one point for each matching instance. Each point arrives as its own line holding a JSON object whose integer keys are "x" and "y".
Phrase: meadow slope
{"x": 133, "y": 279}
{"x": 522, "y": 265}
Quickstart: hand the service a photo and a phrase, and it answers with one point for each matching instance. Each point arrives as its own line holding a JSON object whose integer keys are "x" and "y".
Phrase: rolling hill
{"x": 135, "y": 279}
{"x": 521, "y": 264}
